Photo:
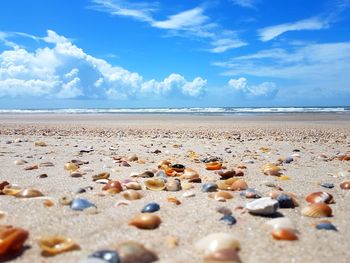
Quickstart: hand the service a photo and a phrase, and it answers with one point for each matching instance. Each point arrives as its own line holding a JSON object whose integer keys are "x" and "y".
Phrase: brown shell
{"x": 28, "y": 193}
{"x": 133, "y": 185}
{"x": 132, "y": 252}
{"x": 213, "y": 166}
{"x": 145, "y": 221}
{"x": 132, "y": 195}
{"x": 226, "y": 184}
{"x": 100, "y": 176}
{"x": 155, "y": 184}
{"x": 11, "y": 240}
{"x": 71, "y": 167}
{"x": 174, "y": 200}
{"x": 189, "y": 173}
{"x": 53, "y": 245}
{"x": 320, "y": 197}
{"x": 239, "y": 185}
{"x": 113, "y": 187}
{"x": 317, "y": 210}
{"x": 271, "y": 169}
{"x": 284, "y": 234}
{"x": 223, "y": 255}
{"x": 226, "y": 174}
{"x": 221, "y": 196}
{"x": 11, "y": 190}
{"x": 3, "y": 184}
{"x": 31, "y": 167}
{"x": 345, "y": 185}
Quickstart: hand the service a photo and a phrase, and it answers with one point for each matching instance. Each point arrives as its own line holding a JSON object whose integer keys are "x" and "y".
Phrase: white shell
{"x": 188, "y": 194}
{"x": 217, "y": 241}
{"x": 281, "y": 223}
{"x": 263, "y": 206}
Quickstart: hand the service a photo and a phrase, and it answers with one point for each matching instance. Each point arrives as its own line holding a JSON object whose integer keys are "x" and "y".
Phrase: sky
{"x": 169, "y": 53}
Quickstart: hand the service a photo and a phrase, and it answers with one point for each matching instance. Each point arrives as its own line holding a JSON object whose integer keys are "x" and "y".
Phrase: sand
{"x": 195, "y": 217}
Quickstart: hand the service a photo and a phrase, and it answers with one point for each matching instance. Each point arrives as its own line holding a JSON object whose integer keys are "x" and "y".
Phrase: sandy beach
{"x": 314, "y": 141}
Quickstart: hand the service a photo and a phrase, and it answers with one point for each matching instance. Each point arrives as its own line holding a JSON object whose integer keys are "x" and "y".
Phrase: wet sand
{"x": 235, "y": 139}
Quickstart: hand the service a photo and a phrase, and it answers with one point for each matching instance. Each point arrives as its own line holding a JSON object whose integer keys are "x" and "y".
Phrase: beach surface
{"x": 314, "y": 141}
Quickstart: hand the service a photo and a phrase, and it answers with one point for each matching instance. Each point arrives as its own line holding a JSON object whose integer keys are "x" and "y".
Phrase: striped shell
{"x": 317, "y": 210}
{"x": 320, "y": 197}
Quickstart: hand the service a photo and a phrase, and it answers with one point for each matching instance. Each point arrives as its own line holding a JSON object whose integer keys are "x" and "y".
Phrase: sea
{"x": 186, "y": 110}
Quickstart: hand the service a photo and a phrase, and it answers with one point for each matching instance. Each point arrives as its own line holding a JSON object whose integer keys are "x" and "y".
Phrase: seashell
{"x": 80, "y": 204}
{"x": 31, "y": 167}
{"x": 155, "y": 184}
{"x": 345, "y": 185}
{"x": 209, "y": 187}
{"x": 326, "y": 225}
{"x": 100, "y": 176}
{"x": 46, "y": 164}
{"x": 71, "y": 167}
{"x": 217, "y": 241}
{"x": 271, "y": 169}
{"x": 125, "y": 164}
{"x": 283, "y": 178}
{"x": 343, "y": 157}
{"x": 178, "y": 167}
{"x": 250, "y": 193}
{"x": 228, "y": 219}
{"x": 11, "y": 189}
{"x": 221, "y": 196}
{"x": 320, "y": 197}
{"x": 102, "y": 181}
{"x": 11, "y": 240}
{"x": 53, "y": 245}
{"x": 132, "y": 252}
{"x": 76, "y": 174}
{"x": 189, "y": 174}
{"x": 48, "y": 203}
{"x": 145, "y": 221}
{"x": 65, "y": 200}
{"x": 145, "y": 174}
{"x": 317, "y": 210}
{"x": 132, "y": 158}
{"x": 133, "y": 185}
{"x": 164, "y": 163}
{"x": 161, "y": 174}
{"x": 79, "y": 162}
{"x": 132, "y": 195}
{"x": 213, "y": 166}
{"x": 327, "y": 185}
{"x": 262, "y": 206}
{"x": 29, "y": 193}
{"x": 150, "y": 208}
{"x": 239, "y": 185}
{"x": 3, "y": 184}
{"x": 281, "y": 223}
{"x": 170, "y": 172}
{"x": 188, "y": 194}
{"x": 174, "y": 200}
{"x": 122, "y": 202}
{"x": 223, "y": 256}
{"x": 107, "y": 256}
{"x": 284, "y": 234}
{"x": 173, "y": 185}
{"x": 40, "y": 143}
{"x": 20, "y": 162}
{"x": 113, "y": 187}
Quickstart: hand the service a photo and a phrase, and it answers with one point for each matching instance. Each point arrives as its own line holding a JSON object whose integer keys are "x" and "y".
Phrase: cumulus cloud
{"x": 267, "y": 90}
{"x": 66, "y": 71}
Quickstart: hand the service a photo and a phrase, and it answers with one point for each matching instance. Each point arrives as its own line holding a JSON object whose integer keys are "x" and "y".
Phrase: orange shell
{"x": 284, "y": 234}
{"x": 345, "y": 185}
{"x": 239, "y": 185}
{"x": 170, "y": 172}
{"x": 53, "y": 245}
{"x": 317, "y": 210}
{"x": 11, "y": 239}
{"x": 320, "y": 197}
{"x": 113, "y": 186}
{"x": 213, "y": 166}
{"x": 145, "y": 221}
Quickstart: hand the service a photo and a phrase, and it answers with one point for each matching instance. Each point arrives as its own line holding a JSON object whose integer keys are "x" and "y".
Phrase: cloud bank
{"x": 266, "y": 90}
{"x": 63, "y": 70}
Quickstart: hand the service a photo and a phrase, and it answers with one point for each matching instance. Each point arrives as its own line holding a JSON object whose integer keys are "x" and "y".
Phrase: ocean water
{"x": 197, "y": 110}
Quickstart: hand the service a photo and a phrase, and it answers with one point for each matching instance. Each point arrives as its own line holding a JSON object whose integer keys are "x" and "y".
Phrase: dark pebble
{"x": 150, "y": 208}
{"x": 109, "y": 256}
{"x": 327, "y": 185}
{"x": 284, "y": 201}
{"x": 228, "y": 219}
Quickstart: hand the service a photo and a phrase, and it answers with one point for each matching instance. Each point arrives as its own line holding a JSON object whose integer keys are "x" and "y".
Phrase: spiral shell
{"x": 155, "y": 184}
{"x": 53, "y": 245}
{"x": 320, "y": 197}
{"x": 11, "y": 240}
{"x": 317, "y": 210}
{"x": 145, "y": 221}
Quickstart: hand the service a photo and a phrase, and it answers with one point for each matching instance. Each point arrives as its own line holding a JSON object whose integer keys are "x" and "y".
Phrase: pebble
{"x": 326, "y": 225}
{"x": 228, "y": 219}
{"x": 209, "y": 187}
{"x": 250, "y": 193}
{"x": 285, "y": 201}
{"x": 150, "y": 208}
{"x": 327, "y": 185}
{"x": 79, "y": 204}
{"x": 263, "y": 206}
{"x": 107, "y": 256}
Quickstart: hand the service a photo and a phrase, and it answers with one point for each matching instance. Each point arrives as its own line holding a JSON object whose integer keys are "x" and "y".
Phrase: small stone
{"x": 79, "y": 204}
{"x": 250, "y": 193}
{"x": 285, "y": 201}
{"x": 79, "y": 190}
{"x": 150, "y": 208}
{"x": 326, "y": 225}
{"x": 108, "y": 256}
{"x": 41, "y": 176}
{"x": 327, "y": 185}
{"x": 228, "y": 219}
{"x": 209, "y": 187}
{"x": 263, "y": 206}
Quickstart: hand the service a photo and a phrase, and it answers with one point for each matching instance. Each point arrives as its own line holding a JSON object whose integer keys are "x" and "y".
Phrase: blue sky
{"x": 123, "y": 53}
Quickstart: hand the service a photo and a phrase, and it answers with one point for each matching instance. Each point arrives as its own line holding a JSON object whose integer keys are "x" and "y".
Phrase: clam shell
{"x": 113, "y": 187}
{"x": 71, "y": 167}
{"x": 281, "y": 223}
{"x": 28, "y": 193}
{"x": 11, "y": 240}
{"x": 284, "y": 234}
{"x": 217, "y": 241}
{"x": 239, "y": 185}
{"x": 132, "y": 158}
{"x": 223, "y": 256}
{"x": 320, "y": 197}
{"x": 174, "y": 200}
{"x": 271, "y": 169}
{"x": 155, "y": 184}
{"x": 317, "y": 210}
{"x": 186, "y": 185}
{"x": 20, "y": 162}
{"x": 213, "y": 166}
{"x": 189, "y": 174}
{"x": 100, "y": 176}
{"x": 145, "y": 221}
{"x": 345, "y": 185}
{"x": 132, "y": 252}
{"x": 173, "y": 185}
{"x": 133, "y": 185}
{"x": 53, "y": 245}
{"x": 132, "y": 195}
{"x": 221, "y": 196}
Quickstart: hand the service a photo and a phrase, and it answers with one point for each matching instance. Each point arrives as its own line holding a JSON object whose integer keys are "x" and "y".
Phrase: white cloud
{"x": 271, "y": 32}
{"x": 66, "y": 71}
{"x": 192, "y": 23}
{"x": 245, "y": 3}
{"x": 267, "y": 90}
